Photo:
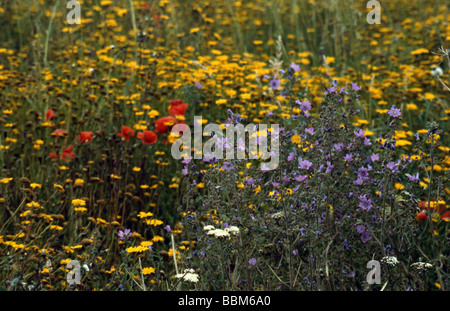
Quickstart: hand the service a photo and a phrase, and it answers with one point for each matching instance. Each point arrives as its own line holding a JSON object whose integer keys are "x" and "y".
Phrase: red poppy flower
{"x": 59, "y": 133}
{"x": 445, "y": 215}
{"x": 50, "y": 114}
{"x": 67, "y": 153}
{"x": 179, "y": 110}
{"x": 440, "y": 207}
{"x": 421, "y": 215}
{"x": 127, "y": 132}
{"x": 162, "y": 125}
{"x": 175, "y": 102}
{"x": 85, "y": 137}
{"x": 177, "y": 107}
{"x": 148, "y": 137}
{"x": 53, "y": 155}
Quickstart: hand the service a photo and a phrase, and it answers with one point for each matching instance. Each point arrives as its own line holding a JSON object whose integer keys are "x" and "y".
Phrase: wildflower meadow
{"x": 179, "y": 145}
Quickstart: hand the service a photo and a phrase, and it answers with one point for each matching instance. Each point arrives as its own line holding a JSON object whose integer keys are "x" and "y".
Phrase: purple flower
{"x": 333, "y": 89}
{"x": 275, "y": 84}
{"x": 346, "y": 245}
{"x": 363, "y": 173}
{"x": 350, "y": 274}
{"x": 250, "y": 181}
{"x": 185, "y": 170}
{"x": 375, "y": 157}
{"x": 291, "y": 156}
{"x": 252, "y": 261}
{"x": 360, "y": 133}
{"x": 348, "y": 157}
{"x": 301, "y": 178}
{"x": 342, "y": 91}
{"x": 365, "y": 237}
{"x": 365, "y": 203}
{"x": 124, "y": 234}
{"x": 294, "y": 67}
{"x": 367, "y": 142}
{"x": 167, "y": 228}
{"x": 198, "y": 85}
{"x": 186, "y": 160}
{"x": 329, "y": 91}
{"x": 392, "y": 166}
{"x": 310, "y": 131}
{"x": 394, "y": 112}
{"x": 304, "y": 164}
{"x": 415, "y": 178}
{"x": 359, "y": 181}
{"x": 360, "y": 228}
{"x": 338, "y": 147}
{"x": 355, "y": 87}
{"x": 304, "y": 105}
{"x": 228, "y": 166}
{"x": 330, "y": 167}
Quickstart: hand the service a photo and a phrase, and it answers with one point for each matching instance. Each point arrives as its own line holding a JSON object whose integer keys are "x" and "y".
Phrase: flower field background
{"x": 85, "y": 145}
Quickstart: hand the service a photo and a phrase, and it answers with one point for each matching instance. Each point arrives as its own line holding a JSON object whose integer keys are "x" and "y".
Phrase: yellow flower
{"x": 33, "y": 185}
{"x": 157, "y": 238}
{"x": 78, "y": 202}
{"x": 144, "y": 215}
{"x": 399, "y": 186}
{"x": 58, "y": 187}
{"x": 5, "y": 180}
{"x": 429, "y": 96}
{"x": 420, "y": 51}
{"x": 148, "y": 270}
{"x": 221, "y": 102}
{"x": 411, "y": 107}
{"x": 154, "y": 222}
{"x": 296, "y": 139}
{"x": 34, "y": 204}
{"x": 153, "y": 113}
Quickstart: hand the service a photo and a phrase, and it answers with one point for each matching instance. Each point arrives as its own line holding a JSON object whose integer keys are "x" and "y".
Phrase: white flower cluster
{"x": 189, "y": 275}
{"x": 437, "y": 71}
{"x": 232, "y": 230}
{"x": 219, "y": 233}
{"x": 209, "y": 227}
{"x": 278, "y": 215}
{"x": 390, "y": 260}
{"x": 421, "y": 265}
